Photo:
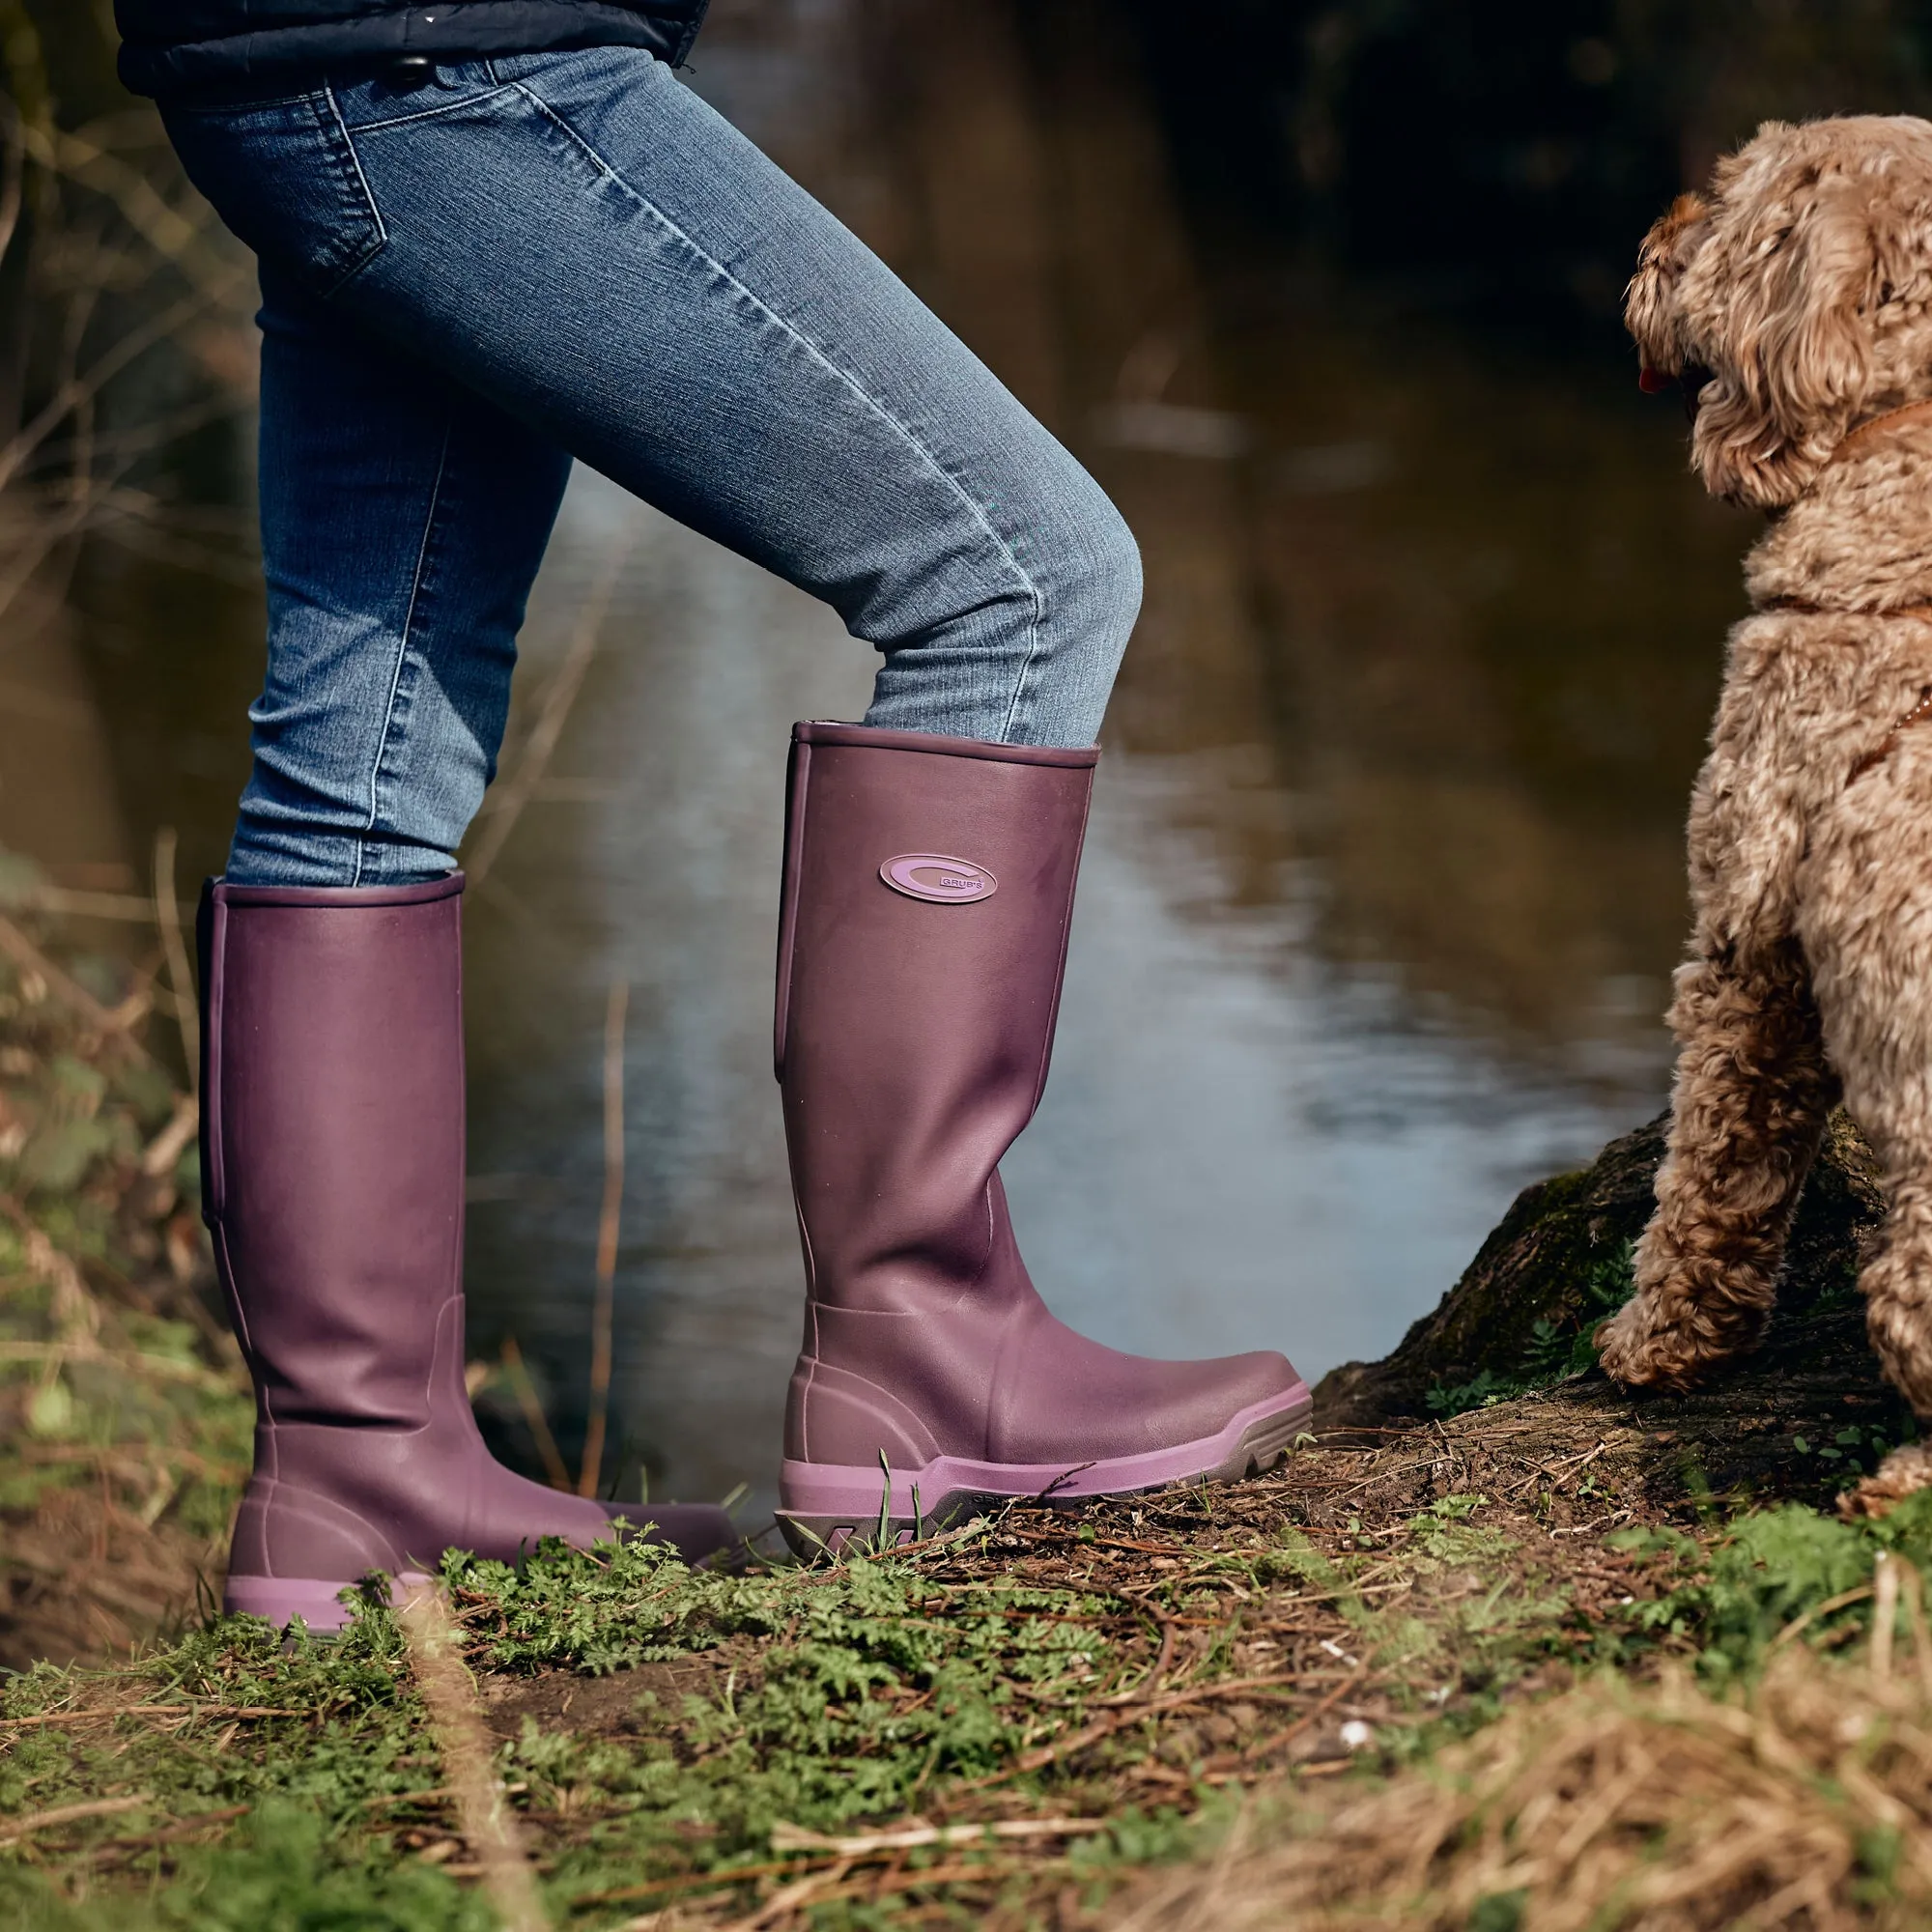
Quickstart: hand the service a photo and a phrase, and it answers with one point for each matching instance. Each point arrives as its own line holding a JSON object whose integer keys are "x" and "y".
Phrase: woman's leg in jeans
{"x": 583, "y": 243}
{"x": 403, "y": 520}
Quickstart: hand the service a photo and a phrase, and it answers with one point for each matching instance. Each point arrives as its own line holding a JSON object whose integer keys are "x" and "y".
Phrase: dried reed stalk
{"x": 110, "y": 1025}
{"x": 608, "y": 1221}
{"x": 512, "y": 793}
{"x": 70, "y": 1814}
{"x": 535, "y": 1419}
{"x": 181, "y": 980}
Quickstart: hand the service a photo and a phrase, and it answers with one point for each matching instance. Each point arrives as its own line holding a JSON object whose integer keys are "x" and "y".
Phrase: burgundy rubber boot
{"x": 332, "y": 1150}
{"x": 929, "y": 890}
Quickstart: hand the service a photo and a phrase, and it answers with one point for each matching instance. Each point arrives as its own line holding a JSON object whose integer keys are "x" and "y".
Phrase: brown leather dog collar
{"x": 1872, "y": 426}
{"x": 1919, "y": 713}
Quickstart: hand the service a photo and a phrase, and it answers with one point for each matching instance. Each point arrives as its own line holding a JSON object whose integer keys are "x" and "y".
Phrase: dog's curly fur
{"x": 1797, "y": 293}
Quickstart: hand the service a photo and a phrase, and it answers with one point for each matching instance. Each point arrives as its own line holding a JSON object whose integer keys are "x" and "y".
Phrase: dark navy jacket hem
{"x": 172, "y": 49}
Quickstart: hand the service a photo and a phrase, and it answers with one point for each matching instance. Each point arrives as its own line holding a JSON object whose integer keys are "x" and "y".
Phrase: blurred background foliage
{"x": 1498, "y": 156}
{"x": 1503, "y": 157}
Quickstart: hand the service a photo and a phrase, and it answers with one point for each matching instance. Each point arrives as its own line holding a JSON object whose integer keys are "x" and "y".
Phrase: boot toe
{"x": 1187, "y": 1402}
{"x": 1078, "y": 1399}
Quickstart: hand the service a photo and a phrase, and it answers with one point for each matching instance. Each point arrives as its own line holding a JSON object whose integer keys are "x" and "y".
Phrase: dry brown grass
{"x": 1616, "y": 1808}
{"x": 468, "y": 1751}
{"x": 124, "y": 1412}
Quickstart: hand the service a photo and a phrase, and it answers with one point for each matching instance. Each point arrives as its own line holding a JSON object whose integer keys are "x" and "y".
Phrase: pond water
{"x": 1384, "y": 882}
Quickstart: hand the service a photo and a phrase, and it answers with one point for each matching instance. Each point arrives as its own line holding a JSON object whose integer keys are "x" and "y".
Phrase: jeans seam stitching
{"x": 382, "y": 240}
{"x": 433, "y": 113}
{"x": 844, "y": 376}
{"x": 401, "y": 654}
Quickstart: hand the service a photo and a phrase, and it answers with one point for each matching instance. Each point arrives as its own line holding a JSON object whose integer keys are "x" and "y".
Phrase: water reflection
{"x": 1385, "y": 873}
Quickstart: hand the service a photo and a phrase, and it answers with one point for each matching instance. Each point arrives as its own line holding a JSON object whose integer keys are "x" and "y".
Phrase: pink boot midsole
{"x": 316, "y": 1600}
{"x": 820, "y": 1490}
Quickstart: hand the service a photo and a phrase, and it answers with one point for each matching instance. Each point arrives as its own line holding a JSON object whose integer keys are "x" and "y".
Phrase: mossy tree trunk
{"x": 1797, "y": 1417}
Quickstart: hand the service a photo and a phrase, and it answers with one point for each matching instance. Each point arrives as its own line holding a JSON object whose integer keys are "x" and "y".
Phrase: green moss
{"x": 280, "y": 1869}
{"x": 1558, "y": 1263}
{"x": 1773, "y": 1574}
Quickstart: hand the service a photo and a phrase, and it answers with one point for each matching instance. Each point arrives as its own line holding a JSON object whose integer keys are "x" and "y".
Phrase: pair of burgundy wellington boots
{"x": 928, "y": 889}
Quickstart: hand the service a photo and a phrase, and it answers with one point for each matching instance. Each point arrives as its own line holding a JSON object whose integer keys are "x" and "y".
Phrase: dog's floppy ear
{"x": 1790, "y": 333}
{"x": 1650, "y": 302}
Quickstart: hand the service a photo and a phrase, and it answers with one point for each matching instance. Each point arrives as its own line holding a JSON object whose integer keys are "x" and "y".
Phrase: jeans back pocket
{"x": 284, "y": 177}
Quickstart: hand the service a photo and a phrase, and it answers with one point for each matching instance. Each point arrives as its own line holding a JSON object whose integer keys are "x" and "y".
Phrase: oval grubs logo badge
{"x": 937, "y": 879}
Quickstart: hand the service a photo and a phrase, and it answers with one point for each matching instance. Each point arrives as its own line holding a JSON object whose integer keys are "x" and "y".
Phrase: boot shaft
{"x": 332, "y": 1150}
{"x": 928, "y": 894}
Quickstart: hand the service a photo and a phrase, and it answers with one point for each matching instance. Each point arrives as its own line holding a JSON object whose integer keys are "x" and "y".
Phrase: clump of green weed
{"x": 1773, "y": 1575}
{"x": 1555, "y": 1351}
{"x": 281, "y": 1870}
{"x": 862, "y": 1682}
{"x": 1484, "y": 1390}
{"x": 293, "y": 1749}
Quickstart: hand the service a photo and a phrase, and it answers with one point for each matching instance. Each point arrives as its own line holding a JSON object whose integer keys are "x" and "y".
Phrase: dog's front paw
{"x": 1645, "y": 1345}
{"x": 1634, "y": 1346}
{"x": 1902, "y": 1472}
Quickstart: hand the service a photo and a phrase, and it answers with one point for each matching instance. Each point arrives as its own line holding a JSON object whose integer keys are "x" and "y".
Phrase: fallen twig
{"x": 828, "y": 1889}
{"x": 1042, "y": 1756}
{"x": 124, "y": 908}
{"x": 69, "y": 991}
{"x": 608, "y": 1219}
{"x": 1842, "y": 1601}
{"x": 704, "y": 1881}
{"x": 166, "y": 1149}
{"x": 154, "y": 1711}
{"x": 909, "y": 1838}
{"x": 119, "y": 1851}
{"x": 75, "y": 1312}
{"x": 70, "y": 1814}
{"x": 167, "y": 1367}
{"x": 515, "y": 791}
{"x": 181, "y": 982}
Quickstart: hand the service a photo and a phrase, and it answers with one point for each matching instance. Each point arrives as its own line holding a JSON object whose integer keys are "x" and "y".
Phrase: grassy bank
{"x": 1330, "y": 1689}
{"x": 1517, "y": 1666}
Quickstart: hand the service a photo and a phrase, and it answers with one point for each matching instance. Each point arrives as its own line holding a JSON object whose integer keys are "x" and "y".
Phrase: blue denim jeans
{"x": 468, "y": 283}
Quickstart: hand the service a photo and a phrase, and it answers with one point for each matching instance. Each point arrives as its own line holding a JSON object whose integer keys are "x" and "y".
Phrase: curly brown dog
{"x": 1794, "y": 304}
